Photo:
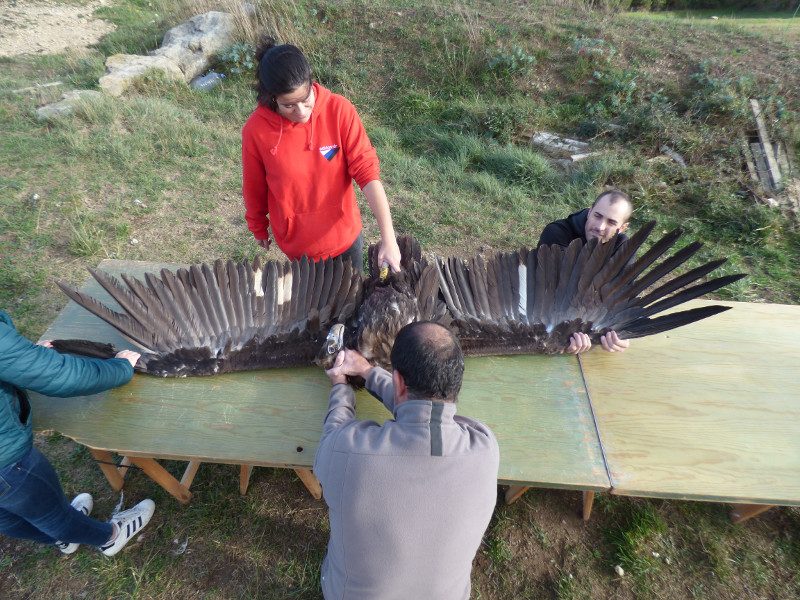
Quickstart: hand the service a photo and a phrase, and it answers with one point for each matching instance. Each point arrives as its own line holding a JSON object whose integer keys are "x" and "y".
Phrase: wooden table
{"x": 536, "y": 405}
{"x": 710, "y": 411}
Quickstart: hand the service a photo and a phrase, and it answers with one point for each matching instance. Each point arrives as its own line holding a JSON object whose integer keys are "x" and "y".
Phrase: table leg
{"x": 244, "y": 478}
{"x": 588, "y": 499}
{"x": 123, "y": 466}
{"x": 109, "y": 469}
{"x": 189, "y": 473}
{"x": 162, "y": 477}
{"x": 514, "y": 492}
{"x": 742, "y": 512}
{"x": 311, "y": 482}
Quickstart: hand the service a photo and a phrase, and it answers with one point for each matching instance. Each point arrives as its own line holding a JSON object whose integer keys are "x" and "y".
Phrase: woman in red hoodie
{"x": 301, "y": 150}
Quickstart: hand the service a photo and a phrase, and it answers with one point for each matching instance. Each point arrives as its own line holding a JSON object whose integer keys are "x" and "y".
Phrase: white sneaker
{"x": 84, "y": 503}
{"x": 129, "y": 523}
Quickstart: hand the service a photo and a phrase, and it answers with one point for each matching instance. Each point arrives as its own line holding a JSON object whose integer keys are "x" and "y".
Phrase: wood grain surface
{"x": 710, "y": 411}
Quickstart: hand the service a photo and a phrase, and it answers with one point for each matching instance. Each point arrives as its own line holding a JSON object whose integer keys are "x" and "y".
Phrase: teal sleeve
{"x": 43, "y": 370}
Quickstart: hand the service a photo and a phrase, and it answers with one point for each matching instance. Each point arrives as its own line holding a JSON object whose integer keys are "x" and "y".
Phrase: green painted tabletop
{"x": 536, "y": 405}
{"x": 710, "y": 411}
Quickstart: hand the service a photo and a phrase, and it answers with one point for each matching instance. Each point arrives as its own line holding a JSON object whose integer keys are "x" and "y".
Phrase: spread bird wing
{"x": 229, "y": 316}
{"x": 210, "y": 319}
{"x": 532, "y": 301}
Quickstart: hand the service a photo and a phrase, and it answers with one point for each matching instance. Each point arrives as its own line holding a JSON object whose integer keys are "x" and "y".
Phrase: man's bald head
{"x": 429, "y": 358}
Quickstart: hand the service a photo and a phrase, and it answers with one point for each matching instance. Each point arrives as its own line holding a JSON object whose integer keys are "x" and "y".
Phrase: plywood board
{"x": 710, "y": 411}
{"x": 536, "y": 405}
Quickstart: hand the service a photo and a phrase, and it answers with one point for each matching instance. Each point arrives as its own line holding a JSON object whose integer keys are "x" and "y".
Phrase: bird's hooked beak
{"x": 335, "y": 340}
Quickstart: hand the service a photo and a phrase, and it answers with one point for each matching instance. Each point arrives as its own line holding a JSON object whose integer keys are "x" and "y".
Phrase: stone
{"x": 122, "y": 69}
{"x": 191, "y": 45}
{"x": 69, "y": 100}
{"x": 185, "y": 53}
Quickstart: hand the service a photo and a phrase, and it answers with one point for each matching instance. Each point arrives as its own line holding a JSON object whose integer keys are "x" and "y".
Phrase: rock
{"x": 553, "y": 142}
{"x": 185, "y": 53}
{"x": 673, "y": 155}
{"x": 69, "y": 100}
{"x": 191, "y": 45}
{"x": 122, "y": 69}
{"x": 620, "y": 571}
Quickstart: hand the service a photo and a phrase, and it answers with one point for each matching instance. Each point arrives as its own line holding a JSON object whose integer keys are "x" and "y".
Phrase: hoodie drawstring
{"x": 274, "y": 150}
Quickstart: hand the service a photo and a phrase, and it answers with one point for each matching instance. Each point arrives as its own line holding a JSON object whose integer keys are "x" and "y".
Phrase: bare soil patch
{"x": 49, "y": 27}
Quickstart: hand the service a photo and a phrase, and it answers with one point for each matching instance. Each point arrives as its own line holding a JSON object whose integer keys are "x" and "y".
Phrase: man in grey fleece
{"x": 410, "y": 499}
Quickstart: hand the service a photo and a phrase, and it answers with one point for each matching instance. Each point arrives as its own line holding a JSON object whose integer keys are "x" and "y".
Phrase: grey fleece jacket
{"x": 409, "y": 500}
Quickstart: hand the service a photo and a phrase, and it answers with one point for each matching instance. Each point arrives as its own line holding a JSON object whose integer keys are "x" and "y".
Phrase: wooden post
{"x": 123, "y": 466}
{"x": 109, "y": 469}
{"x": 769, "y": 153}
{"x": 189, "y": 473}
{"x": 588, "y": 500}
{"x": 311, "y": 482}
{"x": 162, "y": 477}
{"x": 748, "y": 157}
{"x": 761, "y": 166}
{"x": 742, "y": 512}
{"x": 244, "y": 478}
{"x": 514, "y": 492}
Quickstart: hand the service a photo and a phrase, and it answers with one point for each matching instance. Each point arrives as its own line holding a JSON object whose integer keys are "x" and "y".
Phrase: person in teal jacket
{"x": 32, "y": 504}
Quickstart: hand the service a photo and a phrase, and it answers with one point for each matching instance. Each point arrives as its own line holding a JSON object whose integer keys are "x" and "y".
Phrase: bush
{"x": 238, "y": 59}
{"x": 506, "y": 62}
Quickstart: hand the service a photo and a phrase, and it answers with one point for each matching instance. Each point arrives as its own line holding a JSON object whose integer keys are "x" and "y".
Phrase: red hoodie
{"x": 301, "y": 175}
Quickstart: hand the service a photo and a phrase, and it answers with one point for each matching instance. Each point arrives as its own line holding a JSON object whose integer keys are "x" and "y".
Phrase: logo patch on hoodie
{"x": 329, "y": 151}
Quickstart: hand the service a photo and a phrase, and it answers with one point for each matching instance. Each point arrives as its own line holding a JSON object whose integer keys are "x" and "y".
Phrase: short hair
{"x": 615, "y": 196}
{"x": 281, "y": 70}
{"x": 429, "y": 358}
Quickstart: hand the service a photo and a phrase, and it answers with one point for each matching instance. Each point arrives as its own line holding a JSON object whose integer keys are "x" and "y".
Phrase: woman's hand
{"x": 129, "y": 355}
{"x": 389, "y": 253}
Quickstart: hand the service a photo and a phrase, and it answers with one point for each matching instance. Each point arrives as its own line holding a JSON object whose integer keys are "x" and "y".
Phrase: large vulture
{"x": 206, "y": 320}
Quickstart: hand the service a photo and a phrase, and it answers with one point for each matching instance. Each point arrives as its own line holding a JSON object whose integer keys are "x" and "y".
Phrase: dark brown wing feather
{"x": 537, "y": 299}
{"x": 229, "y": 317}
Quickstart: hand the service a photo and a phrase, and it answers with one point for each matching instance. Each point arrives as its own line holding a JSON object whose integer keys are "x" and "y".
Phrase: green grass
{"x": 446, "y": 93}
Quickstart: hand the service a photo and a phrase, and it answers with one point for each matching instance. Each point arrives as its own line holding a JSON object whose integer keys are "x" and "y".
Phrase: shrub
{"x": 510, "y": 61}
{"x": 238, "y": 59}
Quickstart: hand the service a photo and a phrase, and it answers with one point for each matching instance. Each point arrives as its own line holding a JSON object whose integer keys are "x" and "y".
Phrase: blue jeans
{"x": 33, "y": 506}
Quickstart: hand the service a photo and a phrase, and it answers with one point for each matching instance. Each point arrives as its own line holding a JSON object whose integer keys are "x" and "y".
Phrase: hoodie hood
{"x": 577, "y": 223}
{"x": 280, "y": 124}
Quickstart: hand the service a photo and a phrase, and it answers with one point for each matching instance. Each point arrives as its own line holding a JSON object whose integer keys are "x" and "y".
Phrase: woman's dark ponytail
{"x": 281, "y": 70}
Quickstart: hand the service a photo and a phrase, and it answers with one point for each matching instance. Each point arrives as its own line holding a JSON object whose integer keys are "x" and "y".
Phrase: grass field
{"x": 447, "y": 92}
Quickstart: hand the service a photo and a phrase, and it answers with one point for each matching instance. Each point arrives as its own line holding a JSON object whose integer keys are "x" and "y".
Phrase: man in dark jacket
{"x": 32, "y": 503}
{"x": 607, "y": 217}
